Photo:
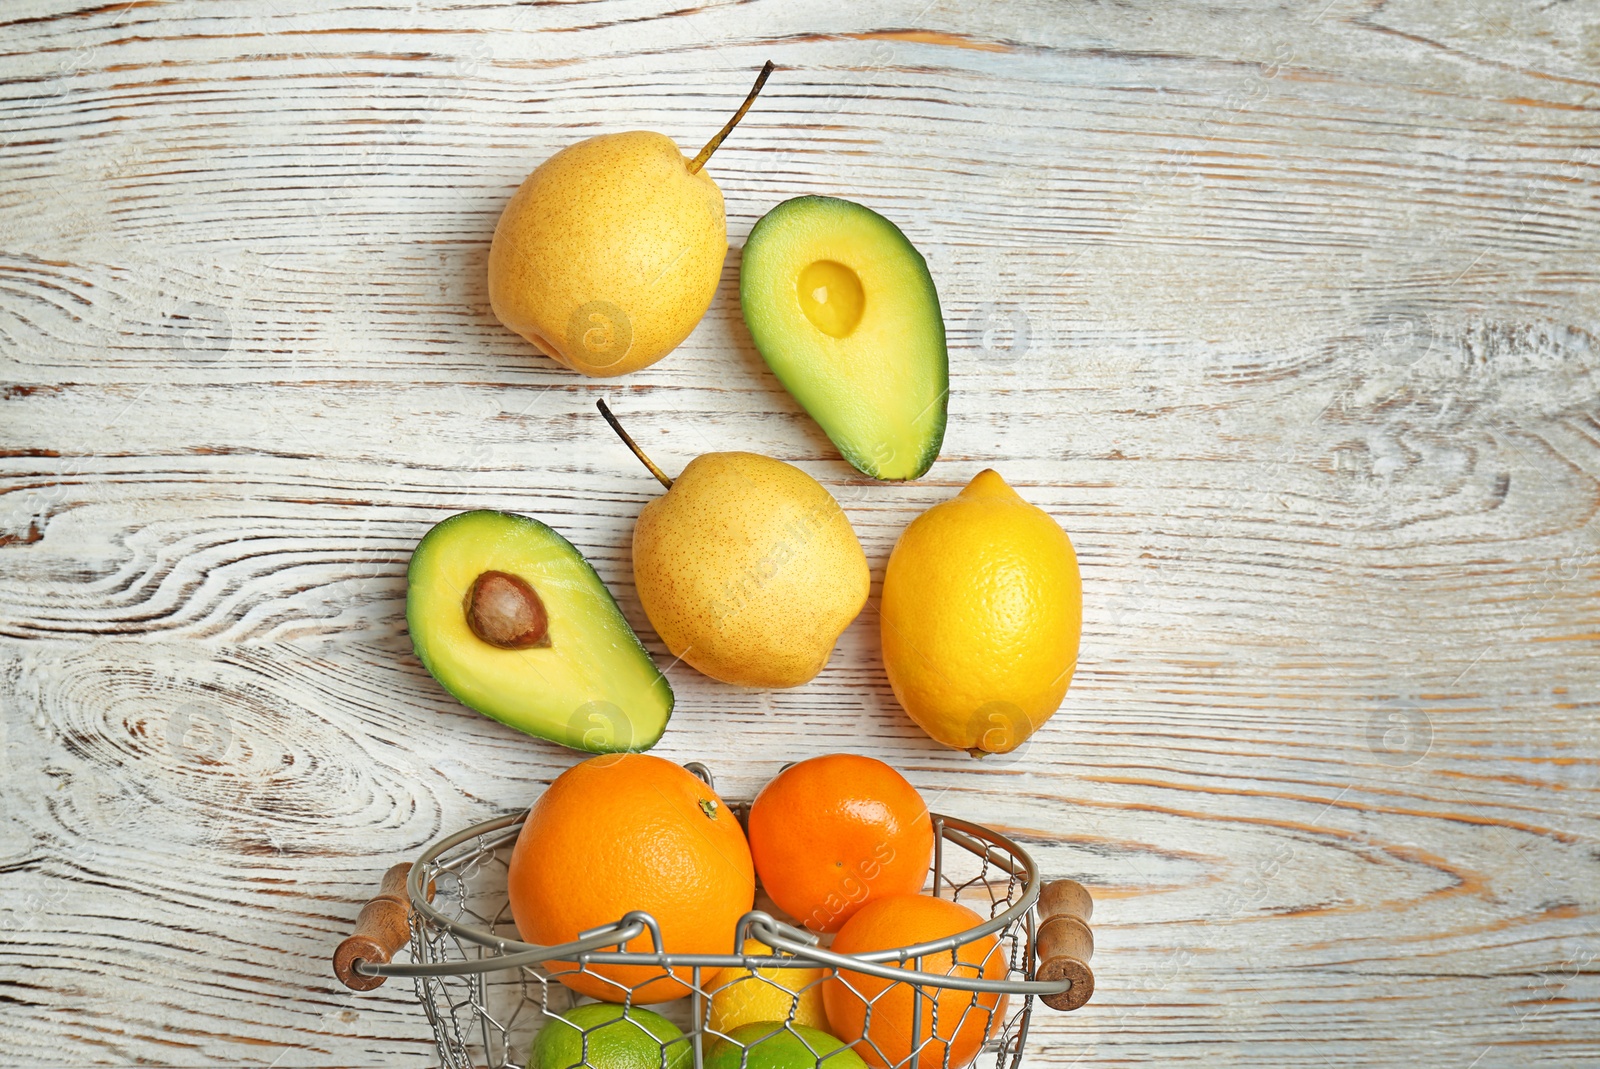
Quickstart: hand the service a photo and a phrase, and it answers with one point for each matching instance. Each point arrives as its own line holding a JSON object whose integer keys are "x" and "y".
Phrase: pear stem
{"x": 627, "y": 440}
{"x": 716, "y": 142}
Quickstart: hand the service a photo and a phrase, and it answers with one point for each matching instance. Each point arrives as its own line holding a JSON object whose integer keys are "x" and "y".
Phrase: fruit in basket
{"x": 747, "y": 567}
{"x": 604, "y": 1035}
{"x": 981, "y": 614}
{"x": 611, "y": 250}
{"x": 630, "y": 832}
{"x": 832, "y": 833}
{"x": 965, "y": 1019}
{"x": 843, "y": 310}
{"x": 740, "y": 996}
{"x": 777, "y": 1045}
{"x": 514, "y": 623}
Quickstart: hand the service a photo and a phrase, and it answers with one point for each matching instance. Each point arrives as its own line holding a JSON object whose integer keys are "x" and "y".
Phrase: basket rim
{"x": 981, "y": 841}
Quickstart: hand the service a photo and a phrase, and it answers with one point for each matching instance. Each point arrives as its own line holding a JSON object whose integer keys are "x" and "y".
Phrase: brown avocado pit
{"x": 504, "y": 611}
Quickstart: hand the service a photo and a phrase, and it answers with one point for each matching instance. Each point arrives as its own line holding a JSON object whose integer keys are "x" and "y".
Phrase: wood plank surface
{"x": 1288, "y": 312}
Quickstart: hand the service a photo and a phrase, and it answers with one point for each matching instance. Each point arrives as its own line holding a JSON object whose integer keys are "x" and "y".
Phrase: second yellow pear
{"x": 749, "y": 570}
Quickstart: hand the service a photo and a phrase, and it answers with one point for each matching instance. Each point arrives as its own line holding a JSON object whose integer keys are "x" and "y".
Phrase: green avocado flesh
{"x": 592, "y": 687}
{"x": 844, "y": 312}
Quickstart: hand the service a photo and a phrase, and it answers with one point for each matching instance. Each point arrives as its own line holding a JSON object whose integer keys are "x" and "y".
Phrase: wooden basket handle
{"x": 382, "y": 927}
{"x": 1064, "y": 942}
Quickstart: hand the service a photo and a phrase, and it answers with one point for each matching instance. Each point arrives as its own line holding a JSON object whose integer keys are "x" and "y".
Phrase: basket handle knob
{"x": 1065, "y": 943}
{"x": 382, "y": 927}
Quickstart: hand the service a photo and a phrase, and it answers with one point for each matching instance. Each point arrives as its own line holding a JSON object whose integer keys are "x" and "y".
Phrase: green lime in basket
{"x": 635, "y": 1041}
{"x": 774, "y": 1045}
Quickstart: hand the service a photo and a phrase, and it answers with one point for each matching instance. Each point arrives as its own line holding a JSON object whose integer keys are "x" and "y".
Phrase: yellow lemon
{"x": 982, "y": 610}
{"x": 740, "y": 996}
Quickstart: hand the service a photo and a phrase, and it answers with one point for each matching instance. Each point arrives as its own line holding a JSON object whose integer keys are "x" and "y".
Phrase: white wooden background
{"x": 1286, "y": 310}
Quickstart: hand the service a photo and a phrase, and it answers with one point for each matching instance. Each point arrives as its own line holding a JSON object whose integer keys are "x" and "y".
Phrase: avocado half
{"x": 571, "y": 670}
{"x": 845, "y": 313}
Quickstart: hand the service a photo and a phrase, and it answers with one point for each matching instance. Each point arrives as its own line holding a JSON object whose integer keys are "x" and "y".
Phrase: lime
{"x": 774, "y": 1045}
{"x": 616, "y": 1037}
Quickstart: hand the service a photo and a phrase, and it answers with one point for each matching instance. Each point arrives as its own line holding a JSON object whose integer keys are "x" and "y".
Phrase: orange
{"x": 965, "y": 1018}
{"x": 628, "y": 832}
{"x": 833, "y": 833}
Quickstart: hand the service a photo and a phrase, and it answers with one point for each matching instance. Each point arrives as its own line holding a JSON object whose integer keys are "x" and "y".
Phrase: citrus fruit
{"x": 981, "y": 613}
{"x": 598, "y": 1035}
{"x": 775, "y": 1045}
{"x": 834, "y": 832}
{"x": 629, "y": 832}
{"x": 740, "y": 996}
{"x": 965, "y": 1018}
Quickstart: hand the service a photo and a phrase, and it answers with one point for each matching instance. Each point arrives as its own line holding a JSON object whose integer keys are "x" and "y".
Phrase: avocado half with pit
{"x": 844, "y": 312}
{"x": 514, "y": 623}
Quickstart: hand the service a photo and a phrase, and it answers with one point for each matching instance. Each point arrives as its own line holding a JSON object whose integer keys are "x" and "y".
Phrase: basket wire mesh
{"x": 487, "y": 995}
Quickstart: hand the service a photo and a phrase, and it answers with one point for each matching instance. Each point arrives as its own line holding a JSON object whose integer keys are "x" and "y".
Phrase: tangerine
{"x": 832, "y": 833}
{"x": 627, "y": 832}
{"x": 956, "y": 1024}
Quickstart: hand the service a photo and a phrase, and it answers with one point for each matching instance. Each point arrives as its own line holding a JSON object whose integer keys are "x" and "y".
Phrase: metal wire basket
{"x": 968, "y": 997}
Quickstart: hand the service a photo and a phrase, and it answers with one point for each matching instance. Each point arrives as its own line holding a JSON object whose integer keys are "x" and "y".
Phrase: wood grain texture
{"x": 1288, "y": 312}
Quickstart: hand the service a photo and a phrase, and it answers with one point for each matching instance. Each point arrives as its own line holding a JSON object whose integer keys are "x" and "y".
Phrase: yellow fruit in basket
{"x": 981, "y": 614}
{"x": 629, "y": 832}
{"x": 965, "y": 1019}
{"x": 741, "y": 996}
